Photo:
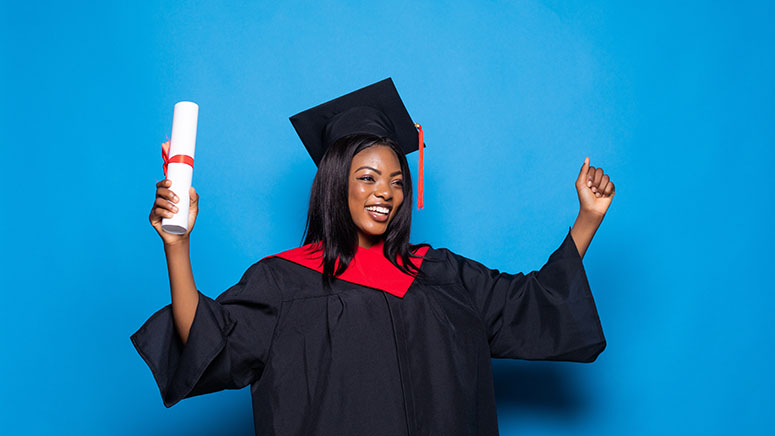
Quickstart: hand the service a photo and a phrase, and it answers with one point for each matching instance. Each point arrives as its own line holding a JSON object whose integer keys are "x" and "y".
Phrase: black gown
{"x": 356, "y": 360}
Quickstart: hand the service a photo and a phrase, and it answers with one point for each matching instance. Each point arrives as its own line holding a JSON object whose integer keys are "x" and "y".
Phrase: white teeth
{"x": 379, "y": 209}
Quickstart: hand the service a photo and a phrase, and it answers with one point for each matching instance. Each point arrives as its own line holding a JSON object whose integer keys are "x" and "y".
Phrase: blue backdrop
{"x": 673, "y": 100}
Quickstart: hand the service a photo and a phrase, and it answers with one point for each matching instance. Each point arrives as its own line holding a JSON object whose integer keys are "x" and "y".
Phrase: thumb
{"x": 193, "y": 195}
{"x": 582, "y": 178}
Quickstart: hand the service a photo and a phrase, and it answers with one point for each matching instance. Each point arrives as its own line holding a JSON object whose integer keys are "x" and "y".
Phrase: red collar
{"x": 369, "y": 267}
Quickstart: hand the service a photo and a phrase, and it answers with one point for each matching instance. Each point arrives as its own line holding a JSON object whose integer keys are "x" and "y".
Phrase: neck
{"x": 366, "y": 241}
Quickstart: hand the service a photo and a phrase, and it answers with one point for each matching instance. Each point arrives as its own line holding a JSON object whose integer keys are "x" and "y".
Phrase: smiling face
{"x": 375, "y": 192}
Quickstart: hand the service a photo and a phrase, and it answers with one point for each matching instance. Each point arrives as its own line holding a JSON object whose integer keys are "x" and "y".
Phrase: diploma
{"x": 179, "y": 166}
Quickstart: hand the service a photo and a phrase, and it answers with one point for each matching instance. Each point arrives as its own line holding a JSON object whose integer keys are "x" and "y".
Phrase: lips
{"x": 379, "y": 212}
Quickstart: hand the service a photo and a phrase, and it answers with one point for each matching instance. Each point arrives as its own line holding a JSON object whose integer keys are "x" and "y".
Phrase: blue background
{"x": 674, "y": 101}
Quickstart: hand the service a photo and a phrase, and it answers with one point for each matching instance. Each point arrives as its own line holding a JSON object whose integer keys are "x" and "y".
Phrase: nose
{"x": 383, "y": 190}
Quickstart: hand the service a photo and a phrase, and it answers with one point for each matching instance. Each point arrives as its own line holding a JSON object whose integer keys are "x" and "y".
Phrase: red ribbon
{"x": 178, "y": 158}
{"x": 420, "y": 187}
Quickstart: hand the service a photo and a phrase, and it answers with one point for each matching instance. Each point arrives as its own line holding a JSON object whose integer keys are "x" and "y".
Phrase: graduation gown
{"x": 378, "y": 352}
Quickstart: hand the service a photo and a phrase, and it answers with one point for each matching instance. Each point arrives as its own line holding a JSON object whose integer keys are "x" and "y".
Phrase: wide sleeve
{"x": 228, "y": 344}
{"x": 545, "y": 315}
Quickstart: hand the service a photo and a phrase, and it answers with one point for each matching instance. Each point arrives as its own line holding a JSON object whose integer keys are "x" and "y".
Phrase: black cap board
{"x": 375, "y": 109}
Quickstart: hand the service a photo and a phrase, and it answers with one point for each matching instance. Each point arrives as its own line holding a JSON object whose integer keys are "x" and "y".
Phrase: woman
{"x": 358, "y": 332}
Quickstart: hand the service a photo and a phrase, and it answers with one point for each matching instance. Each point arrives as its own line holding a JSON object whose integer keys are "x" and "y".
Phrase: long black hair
{"x": 329, "y": 221}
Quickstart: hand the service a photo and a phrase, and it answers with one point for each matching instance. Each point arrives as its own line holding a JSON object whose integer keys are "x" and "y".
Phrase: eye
{"x": 399, "y": 182}
{"x": 366, "y": 178}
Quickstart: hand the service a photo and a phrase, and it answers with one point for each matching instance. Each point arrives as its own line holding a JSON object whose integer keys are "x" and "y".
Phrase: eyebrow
{"x": 377, "y": 171}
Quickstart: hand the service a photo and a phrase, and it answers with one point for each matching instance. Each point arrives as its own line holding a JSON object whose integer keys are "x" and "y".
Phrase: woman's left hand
{"x": 595, "y": 189}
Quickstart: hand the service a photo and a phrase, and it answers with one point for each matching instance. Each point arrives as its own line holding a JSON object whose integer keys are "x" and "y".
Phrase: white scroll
{"x": 180, "y": 165}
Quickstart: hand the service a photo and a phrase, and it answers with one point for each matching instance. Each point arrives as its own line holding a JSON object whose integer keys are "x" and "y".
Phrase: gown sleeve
{"x": 547, "y": 314}
{"x": 228, "y": 344}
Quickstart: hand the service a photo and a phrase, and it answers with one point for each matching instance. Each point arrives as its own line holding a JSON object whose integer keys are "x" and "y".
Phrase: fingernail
{"x": 589, "y": 183}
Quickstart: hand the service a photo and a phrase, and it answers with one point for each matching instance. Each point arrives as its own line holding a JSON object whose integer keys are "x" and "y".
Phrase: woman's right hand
{"x": 164, "y": 207}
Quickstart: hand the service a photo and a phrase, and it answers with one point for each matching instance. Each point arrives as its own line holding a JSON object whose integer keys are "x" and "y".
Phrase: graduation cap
{"x": 376, "y": 109}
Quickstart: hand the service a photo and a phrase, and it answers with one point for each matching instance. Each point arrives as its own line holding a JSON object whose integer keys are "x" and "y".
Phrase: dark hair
{"x": 329, "y": 221}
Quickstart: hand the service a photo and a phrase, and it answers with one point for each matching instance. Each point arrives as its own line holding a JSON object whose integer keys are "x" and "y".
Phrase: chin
{"x": 375, "y": 233}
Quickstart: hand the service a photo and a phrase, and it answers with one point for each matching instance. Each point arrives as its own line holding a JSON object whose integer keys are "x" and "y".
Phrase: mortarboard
{"x": 376, "y": 109}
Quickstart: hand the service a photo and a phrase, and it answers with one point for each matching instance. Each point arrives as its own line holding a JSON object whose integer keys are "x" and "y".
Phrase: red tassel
{"x": 421, "y": 164}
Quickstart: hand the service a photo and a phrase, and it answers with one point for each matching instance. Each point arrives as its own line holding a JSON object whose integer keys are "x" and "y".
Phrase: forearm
{"x": 584, "y": 229}
{"x": 185, "y": 296}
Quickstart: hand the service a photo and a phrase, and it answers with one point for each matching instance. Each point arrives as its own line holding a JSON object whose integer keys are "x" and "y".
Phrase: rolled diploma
{"x": 182, "y": 141}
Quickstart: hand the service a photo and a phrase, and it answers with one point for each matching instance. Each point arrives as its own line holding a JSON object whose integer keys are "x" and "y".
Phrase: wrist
{"x": 180, "y": 245}
{"x": 590, "y": 216}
